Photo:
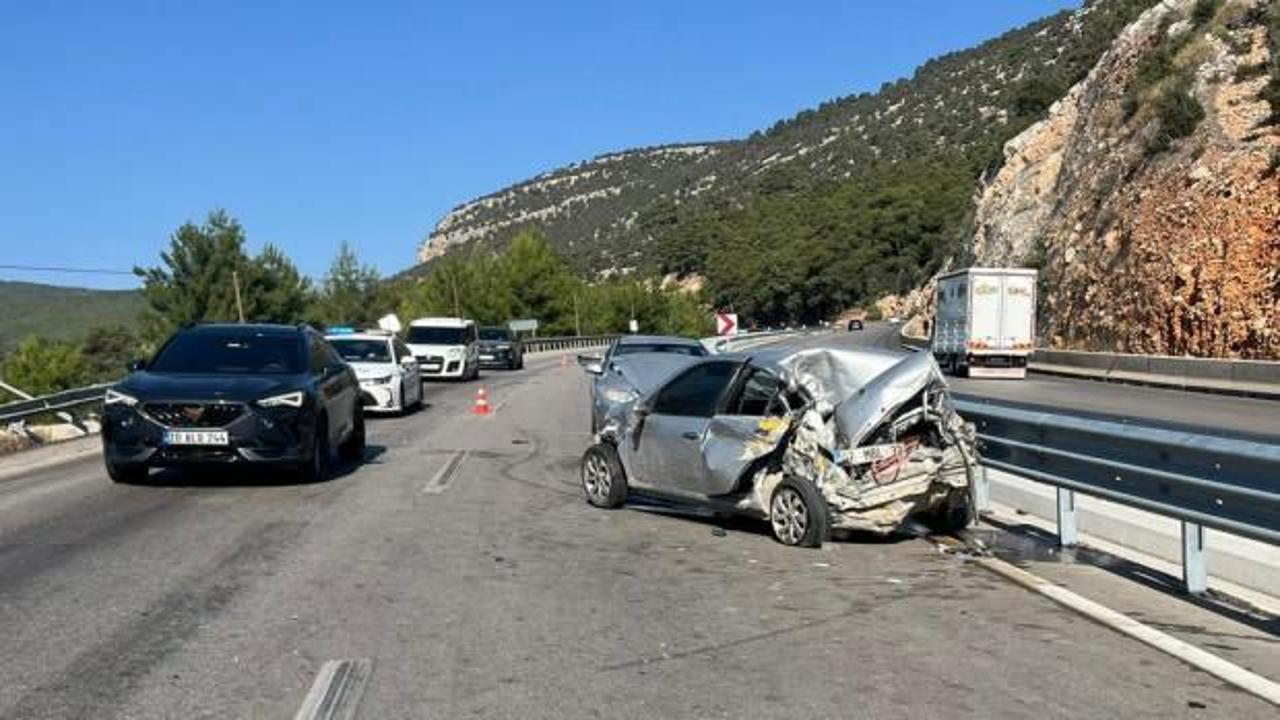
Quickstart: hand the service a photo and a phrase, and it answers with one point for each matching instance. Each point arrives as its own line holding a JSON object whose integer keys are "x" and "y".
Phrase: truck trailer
{"x": 985, "y": 325}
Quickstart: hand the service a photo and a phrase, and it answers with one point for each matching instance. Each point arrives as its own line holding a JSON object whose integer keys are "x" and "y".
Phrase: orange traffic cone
{"x": 482, "y": 403}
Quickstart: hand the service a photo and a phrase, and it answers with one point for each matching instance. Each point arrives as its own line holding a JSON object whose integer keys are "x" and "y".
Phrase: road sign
{"x": 523, "y": 325}
{"x": 634, "y": 326}
{"x": 726, "y": 323}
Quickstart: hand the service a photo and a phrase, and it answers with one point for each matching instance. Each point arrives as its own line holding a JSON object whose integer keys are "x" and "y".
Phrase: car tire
{"x": 127, "y": 473}
{"x": 316, "y": 468}
{"x": 352, "y": 449}
{"x": 954, "y": 514}
{"x": 604, "y": 482}
{"x": 798, "y": 514}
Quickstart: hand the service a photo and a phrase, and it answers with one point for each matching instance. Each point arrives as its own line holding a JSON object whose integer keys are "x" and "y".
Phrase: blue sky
{"x": 318, "y": 122}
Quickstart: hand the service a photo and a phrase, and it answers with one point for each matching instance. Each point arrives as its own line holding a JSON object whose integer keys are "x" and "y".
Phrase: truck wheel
{"x": 798, "y": 514}
{"x": 603, "y": 480}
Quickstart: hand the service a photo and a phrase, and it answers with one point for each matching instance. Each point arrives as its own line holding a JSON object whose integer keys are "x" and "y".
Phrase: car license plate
{"x": 195, "y": 437}
{"x": 486, "y": 357}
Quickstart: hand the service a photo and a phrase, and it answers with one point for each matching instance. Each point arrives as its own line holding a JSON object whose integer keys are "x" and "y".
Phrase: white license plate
{"x": 195, "y": 437}
{"x": 486, "y": 357}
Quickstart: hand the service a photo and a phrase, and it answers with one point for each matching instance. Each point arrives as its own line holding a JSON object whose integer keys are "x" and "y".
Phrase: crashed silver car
{"x": 811, "y": 440}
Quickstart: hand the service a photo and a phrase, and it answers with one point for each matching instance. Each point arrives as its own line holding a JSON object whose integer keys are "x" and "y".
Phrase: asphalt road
{"x": 494, "y": 590}
{"x": 1198, "y": 412}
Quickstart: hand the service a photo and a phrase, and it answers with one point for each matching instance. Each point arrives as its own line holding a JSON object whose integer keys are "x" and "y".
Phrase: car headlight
{"x": 454, "y": 353}
{"x": 379, "y": 380}
{"x": 115, "y": 397}
{"x": 293, "y": 399}
{"x": 617, "y": 395}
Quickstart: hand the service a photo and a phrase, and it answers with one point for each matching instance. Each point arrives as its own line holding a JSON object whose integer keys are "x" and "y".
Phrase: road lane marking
{"x": 337, "y": 690}
{"x": 1246, "y": 680}
{"x": 445, "y": 475}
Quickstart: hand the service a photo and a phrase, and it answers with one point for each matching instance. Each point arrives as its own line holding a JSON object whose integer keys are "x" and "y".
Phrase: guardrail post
{"x": 1068, "y": 529}
{"x": 1195, "y": 572}
{"x": 982, "y": 491}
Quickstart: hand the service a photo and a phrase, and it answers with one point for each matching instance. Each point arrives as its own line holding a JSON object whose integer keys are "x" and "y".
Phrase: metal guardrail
{"x": 567, "y": 343}
{"x": 1206, "y": 481}
{"x": 60, "y": 401}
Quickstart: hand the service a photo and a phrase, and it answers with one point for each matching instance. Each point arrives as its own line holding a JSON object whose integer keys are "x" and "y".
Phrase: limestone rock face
{"x": 1174, "y": 251}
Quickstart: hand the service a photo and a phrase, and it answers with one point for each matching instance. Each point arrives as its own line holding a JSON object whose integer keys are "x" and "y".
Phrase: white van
{"x": 445, "y": 347}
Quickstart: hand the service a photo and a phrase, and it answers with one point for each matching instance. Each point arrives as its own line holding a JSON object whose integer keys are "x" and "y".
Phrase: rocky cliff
{"x": 1149, "y": 197}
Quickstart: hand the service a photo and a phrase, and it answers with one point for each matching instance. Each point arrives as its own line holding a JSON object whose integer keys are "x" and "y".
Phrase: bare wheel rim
{"x": 595, "y": 477}
{"x": 789, "y": 515}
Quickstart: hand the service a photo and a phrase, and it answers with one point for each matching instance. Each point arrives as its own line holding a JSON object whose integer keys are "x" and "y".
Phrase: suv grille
{"x": 201, "y": 415}
{"x": 430, "y": 358}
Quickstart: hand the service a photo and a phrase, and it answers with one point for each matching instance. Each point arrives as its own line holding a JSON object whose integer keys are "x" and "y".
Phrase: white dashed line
{"x": 337, "y": 690}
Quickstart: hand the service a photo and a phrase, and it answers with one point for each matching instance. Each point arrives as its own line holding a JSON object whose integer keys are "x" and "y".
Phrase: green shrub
{"x": 1178, "y": 113}
{"x": 1204, "y": 11}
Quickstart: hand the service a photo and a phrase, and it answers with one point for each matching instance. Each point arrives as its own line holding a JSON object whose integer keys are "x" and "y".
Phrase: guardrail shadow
{"x": 1022, "y": 544}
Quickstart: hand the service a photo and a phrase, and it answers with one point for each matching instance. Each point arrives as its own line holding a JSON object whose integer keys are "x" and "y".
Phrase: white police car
{"x": 387, "y": 371}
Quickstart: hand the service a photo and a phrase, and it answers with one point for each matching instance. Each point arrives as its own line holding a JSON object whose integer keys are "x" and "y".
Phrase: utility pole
{"x": 235, "y": 281}
{"x": 577, "y": 326}
{"x": 453, "y": 283}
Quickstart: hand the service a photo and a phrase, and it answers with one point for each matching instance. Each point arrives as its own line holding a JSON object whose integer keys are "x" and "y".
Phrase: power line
{"x": 83, "y": 271}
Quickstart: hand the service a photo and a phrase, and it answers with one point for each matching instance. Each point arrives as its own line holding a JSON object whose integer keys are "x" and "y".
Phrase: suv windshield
{"x": 363, "y": 350}
{"x": 494, "y": 333}
{"x": 233, "y": 353}
{"x": 437, "y": 335}
{"x": 635, "y": 348}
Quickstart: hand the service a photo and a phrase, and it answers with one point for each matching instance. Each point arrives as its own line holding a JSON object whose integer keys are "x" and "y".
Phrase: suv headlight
{"x": 115, "y": 397}
{"x": 454, "y": 353}
{"x": 293, "y": 399}
{"x": 379, "y": 380}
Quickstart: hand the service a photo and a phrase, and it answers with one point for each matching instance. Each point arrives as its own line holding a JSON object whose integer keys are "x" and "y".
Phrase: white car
{"x": 387, "y": 371}
{"x": 445, "y": 347}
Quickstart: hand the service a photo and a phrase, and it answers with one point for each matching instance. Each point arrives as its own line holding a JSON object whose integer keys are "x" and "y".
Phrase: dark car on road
{"x": 220, "y": 395}
{"x": 500, "y": 348}
{"x": 855, "y": 324}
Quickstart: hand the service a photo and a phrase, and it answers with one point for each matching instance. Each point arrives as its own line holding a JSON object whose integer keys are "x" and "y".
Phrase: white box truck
{"x": 985, "y": 324}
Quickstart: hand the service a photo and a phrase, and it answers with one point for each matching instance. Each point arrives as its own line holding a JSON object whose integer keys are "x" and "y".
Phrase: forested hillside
{"x": 860, "y": 196}
{"x": 62, "y": 313}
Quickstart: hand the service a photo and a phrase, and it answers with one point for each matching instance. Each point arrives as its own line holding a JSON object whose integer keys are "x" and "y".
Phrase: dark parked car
{"x": 809, "y": 439}
{"x": 215, "y": 394}
{"x": 855, "y": 324}
{"x": 500, "y": 348}
{"x": 612, "y": 383}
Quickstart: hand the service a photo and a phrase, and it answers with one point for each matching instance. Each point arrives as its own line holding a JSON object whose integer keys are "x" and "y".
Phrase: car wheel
{"x": 953, "y": 515}
{"x": 316, "y": 468}
{"x": 127, "y": 473}
{"x": 798, "y": 514}
{"x": 603, "y": 480}
{"x": 352, "y": 449}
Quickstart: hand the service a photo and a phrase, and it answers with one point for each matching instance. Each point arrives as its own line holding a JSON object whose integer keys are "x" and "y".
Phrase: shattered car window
{"x": 757, "y": 396}
{"x": 697, "y": 392}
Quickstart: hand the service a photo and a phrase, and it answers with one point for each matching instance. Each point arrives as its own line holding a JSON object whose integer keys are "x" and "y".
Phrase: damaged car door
{"x": 747, "y": 428}
{"x": 666, "y": 452}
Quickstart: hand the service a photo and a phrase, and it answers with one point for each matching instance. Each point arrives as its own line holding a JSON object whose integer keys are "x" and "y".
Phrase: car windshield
{"x": 353, "y": 350}
{"x": 636, "y": 348}
{"x": 495, "y": 333}
{"x": 437, "y": 335}
{"x": 231, "y": 353}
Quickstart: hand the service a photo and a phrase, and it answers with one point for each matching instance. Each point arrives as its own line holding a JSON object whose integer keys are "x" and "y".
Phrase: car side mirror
{"x": 643, "y": 407}
{"x": 593, "y": 364}
{"x": 136, "y": 365}
{"x": 408, "y": 361}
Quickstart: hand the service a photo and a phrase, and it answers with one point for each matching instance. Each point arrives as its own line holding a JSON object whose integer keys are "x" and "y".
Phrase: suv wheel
{"x": 352, "y": 450}
{"x": 127, "y": 473}
{"x": 316, "y": 468}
